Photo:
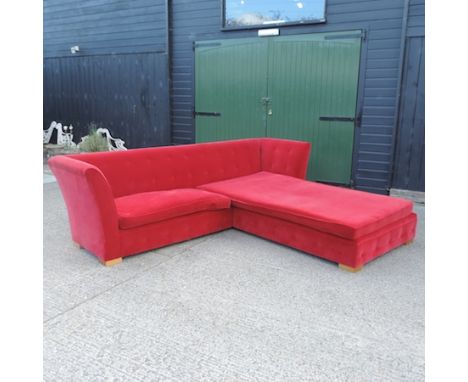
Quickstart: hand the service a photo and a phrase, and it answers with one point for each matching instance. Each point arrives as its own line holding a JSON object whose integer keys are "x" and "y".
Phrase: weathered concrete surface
{"x": 228, "y": 307}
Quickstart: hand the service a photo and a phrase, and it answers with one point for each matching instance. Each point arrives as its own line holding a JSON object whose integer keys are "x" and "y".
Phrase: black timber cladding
{"x": 126, "y": 93}
{"x": 119, "y": 79}
{"x": 382, "y": 21}
{"x": 409, "y": 161}
{"x": 416, "y": 16}
{"x": 104, "y": 26}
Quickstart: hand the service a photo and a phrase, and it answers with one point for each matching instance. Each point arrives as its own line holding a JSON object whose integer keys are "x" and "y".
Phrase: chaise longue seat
{"x": 342, "y": 212}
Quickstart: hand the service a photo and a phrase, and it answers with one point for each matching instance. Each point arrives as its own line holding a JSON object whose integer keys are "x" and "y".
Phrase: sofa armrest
{"x": 90, "y": 205}
{"x": 285, "y": 157}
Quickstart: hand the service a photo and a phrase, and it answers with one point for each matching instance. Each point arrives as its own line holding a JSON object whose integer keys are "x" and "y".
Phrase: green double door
{"x": 298, "y": 87}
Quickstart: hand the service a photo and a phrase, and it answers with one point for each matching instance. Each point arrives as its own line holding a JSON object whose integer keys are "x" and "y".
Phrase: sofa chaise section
{"x": 339, "y": 211}
{"x": 338, "y": 224}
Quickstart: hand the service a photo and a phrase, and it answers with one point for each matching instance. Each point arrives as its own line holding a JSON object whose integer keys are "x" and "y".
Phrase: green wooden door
{"x": 298, "y": 87}
{"x": 312, "y": 88}
{"x": 230, "y": 81}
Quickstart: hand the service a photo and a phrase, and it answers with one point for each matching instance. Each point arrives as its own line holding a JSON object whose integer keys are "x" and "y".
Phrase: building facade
{"x": 147, "y": 69}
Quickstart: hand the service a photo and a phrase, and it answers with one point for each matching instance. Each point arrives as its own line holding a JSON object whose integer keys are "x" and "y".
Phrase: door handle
{"x": 265, "y": 101}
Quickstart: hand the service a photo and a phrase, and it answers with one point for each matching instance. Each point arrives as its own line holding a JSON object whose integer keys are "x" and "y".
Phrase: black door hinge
{"x": 207, "y": 113}
{"x": 358, "y": 120}
{"x": 205, "y": 44}
{"x": 337, "y": 119}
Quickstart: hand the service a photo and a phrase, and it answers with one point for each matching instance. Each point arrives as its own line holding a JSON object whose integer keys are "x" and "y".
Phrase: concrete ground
{"x": 228, "y": 307}
{"x": 47, "y": 176}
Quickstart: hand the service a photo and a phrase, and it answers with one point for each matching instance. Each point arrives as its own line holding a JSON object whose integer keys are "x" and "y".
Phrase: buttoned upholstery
{"x": 279, "y": 156}
{"x": 353, "y": 253}
{"x": 325, "y": 208}
{"x": 165, "y": 168}
{"x": 125, "y": 202}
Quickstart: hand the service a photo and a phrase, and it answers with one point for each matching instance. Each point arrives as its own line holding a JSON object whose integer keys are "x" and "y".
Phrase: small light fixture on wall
{"x": 74, "y": 49}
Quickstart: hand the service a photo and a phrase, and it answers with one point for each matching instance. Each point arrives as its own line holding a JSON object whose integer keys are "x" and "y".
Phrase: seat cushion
{"x": 150, "y": 207}
{"x": 339, "y": 211}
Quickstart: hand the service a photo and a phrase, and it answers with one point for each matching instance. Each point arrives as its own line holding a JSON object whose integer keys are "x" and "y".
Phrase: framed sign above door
{"x": 243, "y": 14}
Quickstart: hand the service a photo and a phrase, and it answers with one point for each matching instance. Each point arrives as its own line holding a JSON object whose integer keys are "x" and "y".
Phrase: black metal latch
{"x": 337, "y": 119}
{"x": 357, "y": 120}
{"x": 207, "y": 113}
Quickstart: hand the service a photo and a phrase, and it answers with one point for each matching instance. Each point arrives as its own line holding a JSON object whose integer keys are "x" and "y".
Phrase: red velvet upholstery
{"x": 352, "y": 253}
{"x": 340, "y": 211}
{"x": 90, "y": 205}
{"x": 165, "y": 168}
{"x": 182, "y": 228}
{"x": 285, "y": 157}
{"x": 127, "y": 202}
{"x": 151, "y": 207}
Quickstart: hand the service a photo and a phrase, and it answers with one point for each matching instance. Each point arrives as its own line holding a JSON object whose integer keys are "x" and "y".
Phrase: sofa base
{"x": 172, "y": 231}
{"x": 352, "y": 254}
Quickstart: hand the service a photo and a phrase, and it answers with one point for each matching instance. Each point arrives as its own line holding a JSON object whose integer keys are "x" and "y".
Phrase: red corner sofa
{"x": 126, "y": 202}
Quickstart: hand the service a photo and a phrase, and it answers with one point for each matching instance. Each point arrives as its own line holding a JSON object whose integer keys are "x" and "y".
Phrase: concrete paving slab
{"x": 47, "y": 175}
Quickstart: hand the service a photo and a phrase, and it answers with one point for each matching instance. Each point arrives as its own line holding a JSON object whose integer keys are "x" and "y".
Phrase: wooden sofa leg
{"x": 409, "y": 242}
{"x": 110, "y": 263}
{"x": 77, "y": 245}
{"x": 349, "y": 269}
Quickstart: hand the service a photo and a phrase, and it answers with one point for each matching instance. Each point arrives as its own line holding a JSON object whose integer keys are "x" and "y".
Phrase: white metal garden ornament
{"x": 64, "y": 134}
{"x": 113, "y": 144}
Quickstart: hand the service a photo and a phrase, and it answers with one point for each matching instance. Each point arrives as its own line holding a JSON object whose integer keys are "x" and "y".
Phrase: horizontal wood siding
{"x": 119, "y": 78}
{"x": 104, "y": 26}
{"x": 127, "y": 93}
{"x": 382, "y": 19}
{"x": 409, "y": 161}
{"x": 416, "y": 17}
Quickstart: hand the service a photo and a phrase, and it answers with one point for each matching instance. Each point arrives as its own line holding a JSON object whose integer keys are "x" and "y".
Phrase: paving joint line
{"x": 133, "y": 277}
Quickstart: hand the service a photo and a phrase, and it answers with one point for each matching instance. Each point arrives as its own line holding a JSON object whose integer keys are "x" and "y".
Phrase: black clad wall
{"x": 118, "y": 79}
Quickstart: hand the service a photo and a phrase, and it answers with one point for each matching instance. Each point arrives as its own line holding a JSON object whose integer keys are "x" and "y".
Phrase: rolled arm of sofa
{"x": 285, "y": 157}
{"x": 90, "y": 205}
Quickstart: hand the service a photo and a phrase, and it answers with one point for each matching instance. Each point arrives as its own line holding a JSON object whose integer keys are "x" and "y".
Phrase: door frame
{"x": 360, "y": 87}
{"x": 359, "y": 106}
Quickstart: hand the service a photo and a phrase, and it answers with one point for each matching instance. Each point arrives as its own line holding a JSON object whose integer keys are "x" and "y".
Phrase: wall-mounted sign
{"x": 240, "y": 14}
{"x": 268, "y": 32}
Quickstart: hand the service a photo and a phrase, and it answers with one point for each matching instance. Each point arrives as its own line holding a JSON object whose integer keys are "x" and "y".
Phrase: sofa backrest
{"x": 163, "y": 168}
{"x": 285, "y": 157}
